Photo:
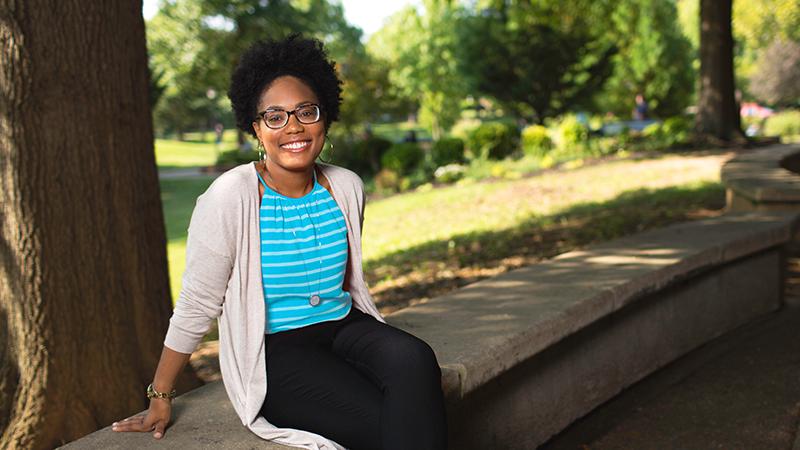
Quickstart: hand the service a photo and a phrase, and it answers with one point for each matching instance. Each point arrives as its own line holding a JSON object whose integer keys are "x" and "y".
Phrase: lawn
{"x": 421, "y": 244}
{"x": 197, "y": 149}
{"x": 178, "y": 197}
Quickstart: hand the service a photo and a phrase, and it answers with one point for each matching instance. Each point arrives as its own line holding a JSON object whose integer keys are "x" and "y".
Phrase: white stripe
{"x": 308, "y": 283}
{"x": 291, "y": 319}
{"x": 306, "y": 294}
{"x": 307, "y": 227}
{"x": 297, "y": 274}
{"x": 293, "y": 207}
{"x": 299, "y": 217}
{"x": 303, "y": 250}
{"x": 305, "y": 261}
{"x": 294, "y": 241}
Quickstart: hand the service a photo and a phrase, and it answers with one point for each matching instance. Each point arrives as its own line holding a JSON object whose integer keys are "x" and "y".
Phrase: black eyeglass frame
{"x": 263, "y": 114}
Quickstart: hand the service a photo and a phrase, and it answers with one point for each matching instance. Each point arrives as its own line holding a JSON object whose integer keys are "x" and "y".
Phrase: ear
{"x": 256, "y": 126}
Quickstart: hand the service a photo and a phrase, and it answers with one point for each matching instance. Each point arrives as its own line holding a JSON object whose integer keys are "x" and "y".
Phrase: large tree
{"x": 84, "y": 293}
{"x": 538, "y": 59}
{"x": 717, "y": 112}
{"x": 421, "y": 50}
{"x": 654, "y": 59}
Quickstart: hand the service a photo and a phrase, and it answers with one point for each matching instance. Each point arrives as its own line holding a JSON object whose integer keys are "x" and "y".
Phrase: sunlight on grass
{"x": 193, "y": 151}
{"x": 407, "y": 220}
{"x": 171, "y": 153}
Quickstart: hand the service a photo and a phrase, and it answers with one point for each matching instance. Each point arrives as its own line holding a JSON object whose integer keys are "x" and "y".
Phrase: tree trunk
{"x": 84, "y": 293}
{"x": 718, "y": 113}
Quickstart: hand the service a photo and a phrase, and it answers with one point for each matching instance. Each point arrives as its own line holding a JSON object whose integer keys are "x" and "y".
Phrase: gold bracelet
{"x": 153, "y": 393}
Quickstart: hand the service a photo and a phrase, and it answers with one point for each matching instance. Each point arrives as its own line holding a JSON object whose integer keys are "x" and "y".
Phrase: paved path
{"x": 741, "y": 391}
{"x": 187, "y": 172}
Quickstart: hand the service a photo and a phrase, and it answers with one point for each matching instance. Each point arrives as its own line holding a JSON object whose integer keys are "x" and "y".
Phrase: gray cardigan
{"x": 223, "y": 281}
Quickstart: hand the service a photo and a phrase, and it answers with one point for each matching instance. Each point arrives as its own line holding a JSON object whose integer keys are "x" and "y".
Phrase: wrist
{"x": 153, "y": 393}
{"x": 161, "y": 386}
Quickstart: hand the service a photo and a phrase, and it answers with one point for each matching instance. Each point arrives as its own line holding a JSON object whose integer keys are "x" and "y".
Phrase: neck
{"x": 289, "y": 183}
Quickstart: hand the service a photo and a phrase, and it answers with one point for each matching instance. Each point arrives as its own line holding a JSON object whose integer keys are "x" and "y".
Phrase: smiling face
{"x": 296, "y": 146}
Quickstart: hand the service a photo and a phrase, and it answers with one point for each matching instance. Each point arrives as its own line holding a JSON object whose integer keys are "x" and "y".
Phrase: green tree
{"x": 180, "y": 45}
{"x": 777, "y": 79}
{"x": 756, "y": 25}
{"x": 654, "y": 59}
{"x": 539, "y": 59}
{"x": 421, "y": 49}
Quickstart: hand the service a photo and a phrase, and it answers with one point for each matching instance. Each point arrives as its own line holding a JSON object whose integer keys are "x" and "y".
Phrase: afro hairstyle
{"x": 267, "y": 60}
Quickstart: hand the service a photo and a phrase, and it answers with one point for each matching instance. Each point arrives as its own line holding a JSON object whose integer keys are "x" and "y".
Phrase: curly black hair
{"x": 267, "y": 60}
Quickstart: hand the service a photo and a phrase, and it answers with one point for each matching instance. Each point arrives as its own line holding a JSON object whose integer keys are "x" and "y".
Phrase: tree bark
{"x": 84, "y": 292}
{"x": 718, "y": 112}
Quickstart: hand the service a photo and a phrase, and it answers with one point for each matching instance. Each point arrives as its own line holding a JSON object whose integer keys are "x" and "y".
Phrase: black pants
{"x": 360, "y": 382}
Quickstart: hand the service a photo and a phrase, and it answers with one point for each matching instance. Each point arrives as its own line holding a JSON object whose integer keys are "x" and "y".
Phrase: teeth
{"x": 295, "y": 145}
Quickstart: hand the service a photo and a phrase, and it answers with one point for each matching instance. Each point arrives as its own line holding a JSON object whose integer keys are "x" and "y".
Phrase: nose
{"x": 294, "y": 125}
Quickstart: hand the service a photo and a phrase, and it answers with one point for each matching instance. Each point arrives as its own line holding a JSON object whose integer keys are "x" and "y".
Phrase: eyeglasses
{"x": 278, "y": 118}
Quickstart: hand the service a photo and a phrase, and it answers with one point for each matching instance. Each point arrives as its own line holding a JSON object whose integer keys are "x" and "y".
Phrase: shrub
{"x": 367, "y": 153}
{"x": 362, "y": 156}
{"x": 536, "y": 140}
{"x": 402, "y": 158}
{"x": 679, "y": 128}
{"x": 235, "y": 157}
{"x": 447, "y": 151}
{"x": 493, "y": 140}
{"x": 571, "y": 132}
{"x": 449, "y": 173}
{"x": 785, "y": 124}
{"x": 464, "y": 127}
{"x": 387, "y": 180}
{"x": 660, "y": 136}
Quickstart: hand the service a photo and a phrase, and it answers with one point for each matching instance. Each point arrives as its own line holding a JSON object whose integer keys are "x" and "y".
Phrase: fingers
{"x": 141, "y": 423}
{"x": 134, "y": 423}
{"x": 159, "y": 433}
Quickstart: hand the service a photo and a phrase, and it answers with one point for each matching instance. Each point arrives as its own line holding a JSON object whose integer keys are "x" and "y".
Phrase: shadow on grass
{"x": 436, "y": 267}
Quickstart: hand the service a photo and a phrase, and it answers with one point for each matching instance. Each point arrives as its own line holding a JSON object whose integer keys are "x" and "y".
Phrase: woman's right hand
{"x": 155, "y": 419}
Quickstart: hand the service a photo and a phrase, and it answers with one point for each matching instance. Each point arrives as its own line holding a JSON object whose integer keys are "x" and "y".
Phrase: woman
{"x": 274, "y": 252}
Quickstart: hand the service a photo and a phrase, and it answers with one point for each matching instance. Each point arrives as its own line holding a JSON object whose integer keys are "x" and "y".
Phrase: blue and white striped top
{"x": 303, "y": 253}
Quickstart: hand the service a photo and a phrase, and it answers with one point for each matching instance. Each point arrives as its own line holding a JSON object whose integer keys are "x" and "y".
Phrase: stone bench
{"x": 526, "y": 353}
{"x": 764, "y": 180}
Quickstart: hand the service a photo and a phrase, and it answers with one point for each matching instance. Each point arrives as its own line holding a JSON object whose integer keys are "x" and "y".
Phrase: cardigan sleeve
{"x": 209, "y": 262}
{"x": 361, "y": 200}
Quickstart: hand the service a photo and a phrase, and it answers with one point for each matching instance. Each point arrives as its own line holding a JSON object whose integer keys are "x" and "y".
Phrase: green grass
{"x": 192, "y": 151}
{"x": 422, "y": 243}
{"x": 404, "y": 221}
{"x": 178, "y": 197}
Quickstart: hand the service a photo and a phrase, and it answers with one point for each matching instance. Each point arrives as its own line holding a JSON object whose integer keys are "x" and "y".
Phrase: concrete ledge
{"x": 525, "y": 406}
{"x": 763, "y": 179}
{"x": 526, "y": 353}
{"x": 484, "y": 329}
{"x": 202, "y": 419}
